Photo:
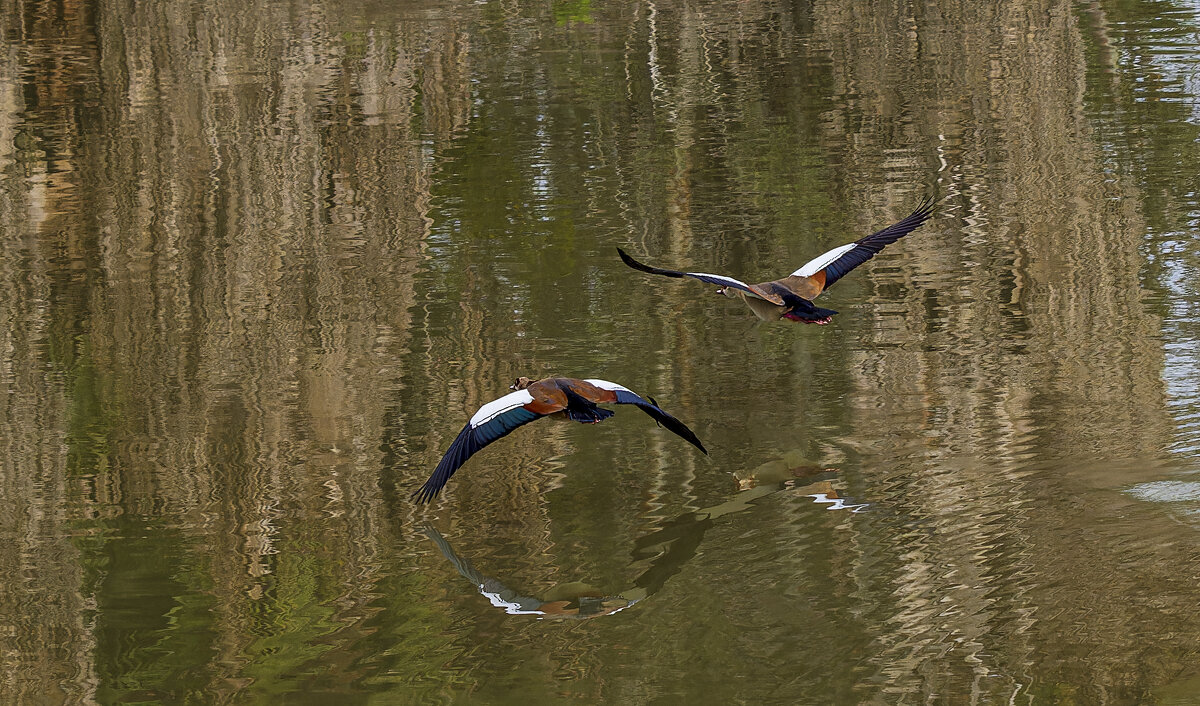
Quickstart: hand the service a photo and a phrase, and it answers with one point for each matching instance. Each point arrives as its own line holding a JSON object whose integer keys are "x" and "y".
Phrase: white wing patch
{"x": 723, "y": 278}
{"x": 820, "y": 262}
{"x": 606, "y": 385}
{"x": 494, "y": 408}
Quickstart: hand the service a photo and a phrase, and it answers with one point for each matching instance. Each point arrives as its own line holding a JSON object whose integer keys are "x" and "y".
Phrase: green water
{"x": 260, "y": 261}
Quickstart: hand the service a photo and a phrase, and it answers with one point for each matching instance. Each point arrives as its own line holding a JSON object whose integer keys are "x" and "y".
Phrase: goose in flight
{"x": 532, "y": 400}
{"x": 791, "y": 297}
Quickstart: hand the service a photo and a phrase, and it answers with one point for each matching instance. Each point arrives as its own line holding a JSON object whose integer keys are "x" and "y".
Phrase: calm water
{"x": 261, "y": 260}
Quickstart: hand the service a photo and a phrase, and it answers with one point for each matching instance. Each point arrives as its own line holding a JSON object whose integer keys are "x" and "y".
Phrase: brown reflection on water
{"x": 203, "y": 342}
{"x": 260, "y": 263}
{"x": 1036, "y": 372}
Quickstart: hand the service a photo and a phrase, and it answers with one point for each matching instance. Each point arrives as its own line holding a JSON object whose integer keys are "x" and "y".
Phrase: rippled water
{"x": 260, "y": 261}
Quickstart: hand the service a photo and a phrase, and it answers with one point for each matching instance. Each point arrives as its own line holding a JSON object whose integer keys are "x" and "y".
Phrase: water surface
{"x": 260, "y": 261}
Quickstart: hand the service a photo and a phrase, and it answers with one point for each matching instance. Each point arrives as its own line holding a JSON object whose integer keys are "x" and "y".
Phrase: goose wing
{"x": 626, "y": 396}
{"x": 493, "y": 420}
{"x": 751, "y": 289}
{"x": 831, "y": 266}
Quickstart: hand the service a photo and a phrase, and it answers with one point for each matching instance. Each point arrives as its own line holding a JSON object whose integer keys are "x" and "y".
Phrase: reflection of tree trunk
{"x": 235, "y": 388}
{"x": 1057, "y": 339}
{"x": 11, "y": 108}
{"x": 48, "y": 645}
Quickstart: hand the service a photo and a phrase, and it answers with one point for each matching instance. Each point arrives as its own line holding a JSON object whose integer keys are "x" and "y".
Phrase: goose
{"x": 532, "y": 399}
{"x": 791, "y": 297}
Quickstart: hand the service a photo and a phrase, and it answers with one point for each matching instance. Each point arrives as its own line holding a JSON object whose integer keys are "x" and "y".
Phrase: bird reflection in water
{"x": 565, "y": 601}
{"x": 667, "y": 549}
{"x": 793, "y": 468}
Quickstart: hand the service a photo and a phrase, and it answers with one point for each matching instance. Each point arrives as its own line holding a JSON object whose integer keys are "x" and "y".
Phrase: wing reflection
{"x": 665, "y": 550}
{"x": 584, "y": 603}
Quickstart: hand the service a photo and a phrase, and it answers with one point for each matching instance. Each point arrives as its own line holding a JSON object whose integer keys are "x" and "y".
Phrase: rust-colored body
{"x": 549, "y": 395}
{"x": 778, "y": 290}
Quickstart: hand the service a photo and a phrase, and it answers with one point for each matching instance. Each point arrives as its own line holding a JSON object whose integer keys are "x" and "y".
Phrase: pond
{"x": 261, "y": 262}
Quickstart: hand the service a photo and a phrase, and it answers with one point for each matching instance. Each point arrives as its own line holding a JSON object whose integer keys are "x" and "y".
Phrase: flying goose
{"x": 534, "y": 399}
{"x": 791, "y": 297}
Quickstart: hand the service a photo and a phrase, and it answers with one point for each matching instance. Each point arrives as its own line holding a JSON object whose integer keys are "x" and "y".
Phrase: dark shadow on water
{"x": 666, "y": 550}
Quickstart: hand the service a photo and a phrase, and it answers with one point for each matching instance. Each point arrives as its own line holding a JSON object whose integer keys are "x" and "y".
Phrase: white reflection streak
{"x": 516, "y": 608}
{"x": 510, "y": 607}
{"x": 1167, "y": 491}
{"x": 838, "y": 503}
{"x": 1181, "y": 367}
{"x": 655, "y": 74}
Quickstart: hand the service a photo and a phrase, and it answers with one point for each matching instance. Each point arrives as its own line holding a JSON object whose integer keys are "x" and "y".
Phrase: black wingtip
{"x": 633, "y": 263}
{"x": 890, "y": 234}
{"x": 424, "y": 494}
{"x": 678, "y": 428}
{"x": 925, "y": 207}
{"x": 641, "y": 267}
{"x": 682, "y": 431}
{"x": 661, "y": 417}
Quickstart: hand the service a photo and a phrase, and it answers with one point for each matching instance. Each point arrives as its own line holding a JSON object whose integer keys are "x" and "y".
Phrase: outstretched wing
{"x": 626, "y": 396}
{"x": 751, "y": 289}
{"x": 493, "y": 420}
{"x": 833, "y": 265}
